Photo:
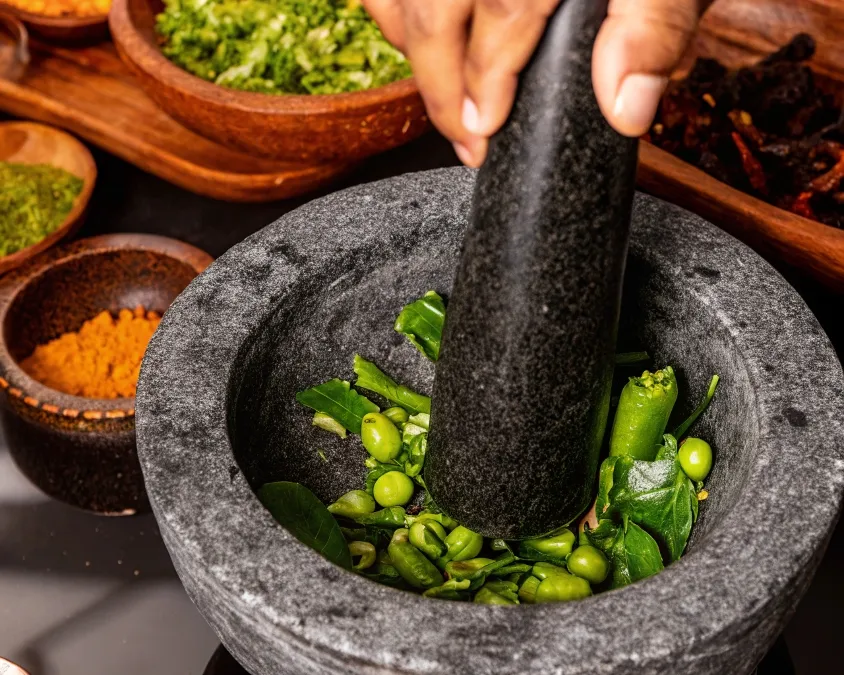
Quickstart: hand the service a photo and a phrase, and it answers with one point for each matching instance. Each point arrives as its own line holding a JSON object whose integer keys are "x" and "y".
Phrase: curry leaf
{"x": 300, "y": 511}
{"x": 421, "y": 322}
{"x": 336, "y": 399}
{"x": 374, "y": 379}
{"x": 655, "y": 495}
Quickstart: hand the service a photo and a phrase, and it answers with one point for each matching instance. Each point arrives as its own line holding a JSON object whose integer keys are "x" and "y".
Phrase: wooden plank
{"x": 89, "y": 92}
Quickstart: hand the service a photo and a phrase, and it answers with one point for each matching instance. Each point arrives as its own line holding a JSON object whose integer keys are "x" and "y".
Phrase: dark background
{"x": 128, "y": 200}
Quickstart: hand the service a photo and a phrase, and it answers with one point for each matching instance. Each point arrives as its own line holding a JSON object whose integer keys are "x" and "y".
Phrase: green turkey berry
{"x": 380, "y": 437}
{"x": 695, "y": 457}
{"x": 393, "y": 489}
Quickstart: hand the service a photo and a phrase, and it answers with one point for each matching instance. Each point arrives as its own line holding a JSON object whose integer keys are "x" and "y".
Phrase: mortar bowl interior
{"x": 288, "y": 309}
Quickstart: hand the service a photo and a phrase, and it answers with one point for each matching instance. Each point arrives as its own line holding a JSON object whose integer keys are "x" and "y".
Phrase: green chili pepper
{"x": 427, "y": 538}
{"x": 642, "y": 415}
{"x": 527, "y": 591}
{"x": 384, "y": 572}
{"x": 429, "y": 516}
{"x": 546, "y": 570}
{"x": 554, "y": 548}
{"x": 389, "y": 517}
{"x": 462, "y": 544}
{"x": 353, "y": 504}
{"x": 396, "y": 415}
{"x": 498, "y": 593}
{"x": 367, "y": 554}
{"x": 411, "y": 563}
{"x": 465, "y": 569}
{"x": 562, "y": 588}
{"x": 453, "y": 589}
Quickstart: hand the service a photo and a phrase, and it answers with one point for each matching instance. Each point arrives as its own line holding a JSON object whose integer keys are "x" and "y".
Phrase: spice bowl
{"x": 64, "y": 29}
{"x": 31, "y": 143}
{"x": 315, "y": 129}
{"x": 81, "y": 450}
{"x": 281, "y": 311}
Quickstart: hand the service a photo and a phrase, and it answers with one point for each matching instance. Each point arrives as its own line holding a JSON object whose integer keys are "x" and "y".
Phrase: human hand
{"x": 467, "y": 54}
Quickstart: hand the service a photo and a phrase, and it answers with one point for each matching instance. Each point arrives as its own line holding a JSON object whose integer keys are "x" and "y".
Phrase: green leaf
{"x": 634, "y": 556}
{"x": 372, "y": 378}
{"x": 297, "y": 509}
{"x": 657, "y": 496}
{"x": 338, "y": 400}
{"x": 669, "y": 449}
{"x": 421, "y": 322}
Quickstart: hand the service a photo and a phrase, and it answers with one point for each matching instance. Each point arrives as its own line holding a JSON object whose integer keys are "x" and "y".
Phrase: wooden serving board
{"x": 89, "y": 92}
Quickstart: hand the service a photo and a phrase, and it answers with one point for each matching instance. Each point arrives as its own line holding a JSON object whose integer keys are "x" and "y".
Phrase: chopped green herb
{"x": 280, "y": 46}
{"x": 421, "y": 322}
{"x": 34, "y": 201}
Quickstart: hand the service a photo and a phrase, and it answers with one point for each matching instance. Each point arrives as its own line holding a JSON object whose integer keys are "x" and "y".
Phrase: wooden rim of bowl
{"x": 152, "y": 62}
{"x": 73, "y": 220}
{"x": 68, "y": 21}
{"x": 18, "y": 384}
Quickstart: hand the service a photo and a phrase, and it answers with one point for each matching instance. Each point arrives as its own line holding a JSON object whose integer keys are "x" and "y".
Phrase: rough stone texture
{"x": 530, "y": 334}
{"x": 290, "y": 306}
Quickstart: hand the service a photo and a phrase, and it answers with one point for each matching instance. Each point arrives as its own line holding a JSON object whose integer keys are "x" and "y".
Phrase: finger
{"x": 388, "y": 16}
{"x": 639, "y": 45}
{"x": 503, "y": 37}
{"x": 435, "y": 43}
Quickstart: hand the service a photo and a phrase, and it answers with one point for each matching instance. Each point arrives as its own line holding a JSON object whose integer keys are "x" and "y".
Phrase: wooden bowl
{"x": 81, "y": 450}
{"x": 31, "y": 143}
{"x": 737, "y": 33}
{"x": 72, "y": 29}
{"x": 308, "y": 129}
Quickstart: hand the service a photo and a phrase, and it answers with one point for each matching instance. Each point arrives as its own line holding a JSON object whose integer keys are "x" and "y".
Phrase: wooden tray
{"x": 89, "y": 91}
{"x": 737, "y": 33}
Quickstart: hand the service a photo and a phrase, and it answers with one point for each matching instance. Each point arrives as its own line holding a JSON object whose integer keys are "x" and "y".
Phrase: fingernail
{"x": 471, "y": 117}
{"x": 463, "y": 154}
{"x": 636, "y": 102}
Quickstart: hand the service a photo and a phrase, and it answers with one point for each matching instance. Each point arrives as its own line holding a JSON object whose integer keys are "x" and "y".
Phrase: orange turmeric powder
{"x": 100, "y": 360}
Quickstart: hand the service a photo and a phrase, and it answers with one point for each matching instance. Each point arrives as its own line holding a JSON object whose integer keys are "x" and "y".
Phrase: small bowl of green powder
{"x": 47, "y": 177}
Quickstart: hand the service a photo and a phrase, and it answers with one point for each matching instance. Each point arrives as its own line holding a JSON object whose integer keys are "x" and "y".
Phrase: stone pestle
{"x": 521, "y": 393}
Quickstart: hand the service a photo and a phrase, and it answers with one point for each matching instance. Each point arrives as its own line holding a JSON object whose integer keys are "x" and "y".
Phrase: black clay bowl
{"x": 81, "y": 450}
{"x": 290, "y": 306}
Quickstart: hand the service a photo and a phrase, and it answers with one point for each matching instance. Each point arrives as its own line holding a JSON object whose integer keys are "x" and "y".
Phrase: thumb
{"x": 639, "y": 45}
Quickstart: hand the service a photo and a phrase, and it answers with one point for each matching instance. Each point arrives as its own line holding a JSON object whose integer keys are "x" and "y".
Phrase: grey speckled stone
{"x": 522, "y": 387}
{"x": 290, "y": 306}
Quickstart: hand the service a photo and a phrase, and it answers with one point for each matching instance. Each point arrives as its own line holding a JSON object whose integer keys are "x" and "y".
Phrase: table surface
{"x": 87, "y": 595}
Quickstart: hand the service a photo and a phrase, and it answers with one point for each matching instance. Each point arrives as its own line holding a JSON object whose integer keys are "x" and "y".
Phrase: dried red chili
{"x": 772, "y": 129}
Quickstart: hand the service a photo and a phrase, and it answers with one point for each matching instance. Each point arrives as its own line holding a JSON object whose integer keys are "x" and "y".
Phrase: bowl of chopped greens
{"x": 47, "y": 178}
{"x": 282, "y": 415}
{"x": 300, "y": 81}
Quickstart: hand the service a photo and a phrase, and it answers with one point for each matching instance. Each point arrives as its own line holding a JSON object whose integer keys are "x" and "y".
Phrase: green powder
{"x": 34, "y": 201}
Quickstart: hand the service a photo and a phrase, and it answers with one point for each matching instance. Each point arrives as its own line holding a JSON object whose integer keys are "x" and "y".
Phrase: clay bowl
{"x": 64, "y": 29}
{"x": 14, "y": 47}
{"x": 738, "y": 33}
{"x": 283, "y": 311}
{"x": 308, "y": 129}
{"x": 30, "y": 143}
{"x": 81, "y": 450}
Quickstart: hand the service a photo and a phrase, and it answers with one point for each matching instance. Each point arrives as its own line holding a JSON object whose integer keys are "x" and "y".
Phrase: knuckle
{"x": 431, "y": 19}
